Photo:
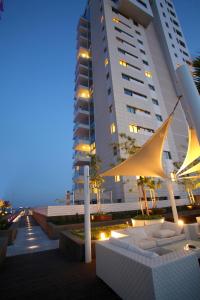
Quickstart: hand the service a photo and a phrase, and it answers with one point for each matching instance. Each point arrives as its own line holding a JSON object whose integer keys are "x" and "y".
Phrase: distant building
{"x": 127, "y": 53}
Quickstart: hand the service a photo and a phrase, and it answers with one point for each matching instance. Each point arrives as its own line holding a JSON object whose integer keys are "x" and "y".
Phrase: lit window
{"x": 117, "y": 178}
{"x": 123, "y": 63}
{"x": 102, "y": 18}
{"x": 112, "y": 128}
{"x": 133, "y": 128}
{"x": 148, "y": 74}
{"x": 106, "y": 62}
{"x": 115, "y": 20}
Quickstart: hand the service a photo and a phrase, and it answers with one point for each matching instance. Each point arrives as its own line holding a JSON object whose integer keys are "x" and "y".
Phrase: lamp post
{"x": 87, "y": 225}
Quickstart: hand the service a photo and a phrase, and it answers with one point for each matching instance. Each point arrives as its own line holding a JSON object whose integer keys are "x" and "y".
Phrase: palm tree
{"x": 96, "y": 181}
{"x": 196, "y": 65}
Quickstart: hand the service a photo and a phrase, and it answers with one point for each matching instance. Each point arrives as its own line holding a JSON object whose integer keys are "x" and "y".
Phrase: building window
{"x": 102, "y": 19}
{"x": 114, "y": 150}
{"x": 110, "y": 108}
{"x": 106, "y": 62}
{"x": 102, "y": 28}
{"x": 159, "y": 118}
{"x": 107, "y": 76}
{"x": 117, "y": 178}
{"x": 140, "y": 42}
{"x": 112, "y": 128}
{"x": 167, "y": 155}
{"x": 148, "y": 74}
{"x": 105, "y": 49}
{"x": 145, "y": 62}
{"x": 164, "y": 15}
{"x": 167, "y": 25}
{"x": 122, "y": 31}
{"x": 109, "y": 91}
{"x": 133, "y": 128}
{"x": 123, "y": 63}
{"x": 137, "y": 32}
{"x": 135, "y": 23}
{"x": 152, "y": 87}
{"x": 130, "y": 78}
{"x": 175, "y": 55}
{"x": 142, "y": 3}
{"x": 173, "y": 46}
{"x": 142, "y": 51}
{"x": 170, "y": 36}
{"x": 128, "y": 92}
{"x": 155, "y": 101}
{"x": 133, "y": 110}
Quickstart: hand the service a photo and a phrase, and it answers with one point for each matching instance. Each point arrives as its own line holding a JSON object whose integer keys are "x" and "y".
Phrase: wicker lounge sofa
{"x": 142, "y": 274}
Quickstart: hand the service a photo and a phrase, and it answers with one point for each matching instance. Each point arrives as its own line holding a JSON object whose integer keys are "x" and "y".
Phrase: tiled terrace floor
{"x": 48, "y": 274}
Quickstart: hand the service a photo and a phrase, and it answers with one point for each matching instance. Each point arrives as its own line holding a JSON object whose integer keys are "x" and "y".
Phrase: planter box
{"x": 102, "y": 217}
{"x": 3, "y": 248}
{"x": 10, "y": 233}
{"x": 139, "y": 223}
{"x": 74, "y": 247}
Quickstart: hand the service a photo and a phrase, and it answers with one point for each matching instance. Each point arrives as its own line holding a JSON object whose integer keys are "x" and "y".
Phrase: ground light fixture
{"x": 180, "y": 222}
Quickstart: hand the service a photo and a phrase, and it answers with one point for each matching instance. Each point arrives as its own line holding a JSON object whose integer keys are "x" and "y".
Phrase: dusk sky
{"x": 37, "y": 63}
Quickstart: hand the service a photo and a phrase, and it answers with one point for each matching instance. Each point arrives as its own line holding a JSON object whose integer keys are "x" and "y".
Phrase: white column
{"x": 172, "y": 200}
{"x": 191, "y": 98}
{"x": 87, "y": 225}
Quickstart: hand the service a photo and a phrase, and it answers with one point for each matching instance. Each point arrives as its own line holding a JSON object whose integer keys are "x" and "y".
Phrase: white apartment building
{"x": 127, "y": 53}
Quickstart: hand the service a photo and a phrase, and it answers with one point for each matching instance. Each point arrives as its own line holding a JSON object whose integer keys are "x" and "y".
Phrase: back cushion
{"x": 137, "y": 232}
{"x": 151, "y": 229}
{"x": 172, "y": 226}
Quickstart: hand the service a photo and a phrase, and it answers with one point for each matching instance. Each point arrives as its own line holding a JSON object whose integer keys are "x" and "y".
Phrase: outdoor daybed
{"x": 138, "y": 274}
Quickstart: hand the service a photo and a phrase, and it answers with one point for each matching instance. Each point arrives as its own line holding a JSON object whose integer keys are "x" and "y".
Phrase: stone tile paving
{"x": 30, "y": 239}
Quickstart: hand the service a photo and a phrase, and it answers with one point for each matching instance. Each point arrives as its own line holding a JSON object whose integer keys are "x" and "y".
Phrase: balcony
{"x": 139, "y": 10}
{"x": 84, "y": 53}
{"x": 81, "y": 158}
{"x": 81, "y": 115}
{"x": 81, "y": 129}
{"x": 82, "y": 144}
{"x": 83, "y": 93}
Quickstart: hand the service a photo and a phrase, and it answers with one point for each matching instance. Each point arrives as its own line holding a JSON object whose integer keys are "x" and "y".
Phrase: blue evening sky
{"x": 37, "y": 62}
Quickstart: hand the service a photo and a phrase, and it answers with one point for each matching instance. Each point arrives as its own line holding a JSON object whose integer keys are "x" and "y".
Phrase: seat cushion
{"x": 164, "y": 233}
{"x": 140, "y": 251}
{"x": 173, "y": 239}
{"x": 119, "y": 243}
{"x": 146, "y": 244}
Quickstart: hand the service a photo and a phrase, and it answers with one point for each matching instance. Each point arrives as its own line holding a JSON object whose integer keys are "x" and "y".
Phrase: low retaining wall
{"x": 53, "y": 231}
{"x": 3, "y": 248}
{"x": 73, "y": 247}
{"x": 10, "y": 233}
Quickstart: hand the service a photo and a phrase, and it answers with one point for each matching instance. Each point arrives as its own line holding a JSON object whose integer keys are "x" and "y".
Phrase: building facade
{"x": 127, "y": 54}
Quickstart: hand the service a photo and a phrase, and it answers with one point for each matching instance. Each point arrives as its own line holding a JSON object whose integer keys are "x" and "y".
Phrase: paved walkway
{"x": 30, "y": 239}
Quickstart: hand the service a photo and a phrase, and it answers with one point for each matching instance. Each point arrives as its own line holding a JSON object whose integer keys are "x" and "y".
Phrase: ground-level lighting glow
{"x": 30, "y": 233}
{"x": 180, "y": 222}
{"x": 186, "y": 247}
{"x": 117, "y": 235}
{"x": 33, "y": 247}
{"x": 30, "y": 239}
{"x": 103, "y": 236}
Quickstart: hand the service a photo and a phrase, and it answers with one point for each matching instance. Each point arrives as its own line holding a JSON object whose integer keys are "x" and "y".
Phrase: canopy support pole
{"x": 172, "y": 200}
{"x": 87, "y": 225}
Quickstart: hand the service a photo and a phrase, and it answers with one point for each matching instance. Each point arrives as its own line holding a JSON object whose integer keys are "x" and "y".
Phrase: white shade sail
{"x": 147, "y": 161}
{"x": 193, "y": 169}
{"x": 193, "y": 151}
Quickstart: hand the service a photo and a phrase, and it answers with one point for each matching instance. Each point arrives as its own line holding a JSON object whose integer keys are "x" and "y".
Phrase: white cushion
{"x": 146, "y": 253}
{"x": 147, "y": 244}
{"x": 164, "y": 233}
{"x": 173, "y": 239}
{"x": 172, "y": 226}
{"x": 139, "y": 231}
{"x": 150, "y": 229}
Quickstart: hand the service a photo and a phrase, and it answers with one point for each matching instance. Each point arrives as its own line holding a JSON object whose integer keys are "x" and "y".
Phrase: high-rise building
{"x": 127, "y": 54}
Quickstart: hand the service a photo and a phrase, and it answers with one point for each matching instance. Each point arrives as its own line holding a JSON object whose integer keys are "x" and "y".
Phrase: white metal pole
{"x": 172, "y": 200}
{"x": 191, "y": 97}
{"x": 87, "y": 225}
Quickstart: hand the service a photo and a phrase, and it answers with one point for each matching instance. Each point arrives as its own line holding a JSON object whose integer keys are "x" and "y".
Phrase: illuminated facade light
{"x": 133, "y": 128}
{"x": 106, "y": 62}
{"x": 117, "y": 178}
{"x": 123, "y": 63}
{"x": 112, "y": 128}
{"x": 148, "y": 74}
{"x": 115, "y": 20}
